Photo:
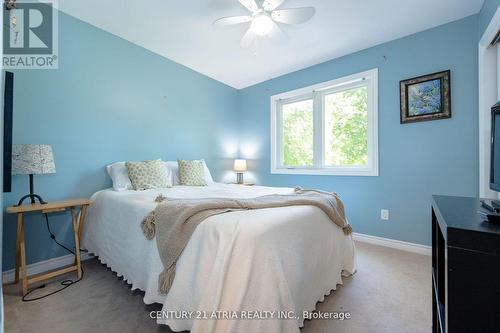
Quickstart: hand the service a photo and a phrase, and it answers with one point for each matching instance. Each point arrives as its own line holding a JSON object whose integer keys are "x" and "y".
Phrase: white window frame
{"x": 316, "y": 93}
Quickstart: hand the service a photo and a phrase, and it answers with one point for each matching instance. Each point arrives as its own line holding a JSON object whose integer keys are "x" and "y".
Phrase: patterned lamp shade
{"x": 32, "y": 160}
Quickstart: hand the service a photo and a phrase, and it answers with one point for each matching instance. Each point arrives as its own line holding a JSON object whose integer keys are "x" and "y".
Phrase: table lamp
{"x": 32, "y": 160}
{"x": 240, "y": 166}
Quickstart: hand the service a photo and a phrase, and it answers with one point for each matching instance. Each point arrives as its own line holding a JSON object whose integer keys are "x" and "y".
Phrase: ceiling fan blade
{"x": 270, "y": 5}
{"x": 247, "y": 39}
{"x": 230, "y": 20}
{"x": 251, "y": 5}
{"x": 293, "y": 15}
{"x": 277, "y": 33}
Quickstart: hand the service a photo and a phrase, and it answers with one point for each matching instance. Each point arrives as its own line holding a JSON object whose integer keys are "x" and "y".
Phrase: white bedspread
{"x": 278, "y": 259}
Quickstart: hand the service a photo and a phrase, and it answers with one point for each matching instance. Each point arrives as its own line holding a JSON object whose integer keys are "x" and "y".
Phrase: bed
{"x": 238, "y": 264}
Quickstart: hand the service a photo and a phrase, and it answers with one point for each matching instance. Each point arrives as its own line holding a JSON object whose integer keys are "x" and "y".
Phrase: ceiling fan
{"x": 265, "y": 18}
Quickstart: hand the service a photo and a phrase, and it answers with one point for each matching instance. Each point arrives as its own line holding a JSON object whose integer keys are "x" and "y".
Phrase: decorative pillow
{"x": 173, "y": 168}
{"x": 148, "y": 174}
{"x": 119, "y": 176}
{"x": 192, "y": 173}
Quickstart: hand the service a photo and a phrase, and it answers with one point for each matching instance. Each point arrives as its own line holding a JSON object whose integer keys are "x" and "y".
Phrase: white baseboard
{"x": 44, "y": 266}
{"x": 392, "y": 243}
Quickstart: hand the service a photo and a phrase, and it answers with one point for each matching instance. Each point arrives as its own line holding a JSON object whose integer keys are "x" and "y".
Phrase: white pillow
{"x": 208, "y": 175}
{"x": 174, "y": 168}
{"x": 119, "y": 176}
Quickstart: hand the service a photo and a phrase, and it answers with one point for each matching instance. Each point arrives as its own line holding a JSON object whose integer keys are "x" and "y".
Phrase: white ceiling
{"x": 182, "y": 31}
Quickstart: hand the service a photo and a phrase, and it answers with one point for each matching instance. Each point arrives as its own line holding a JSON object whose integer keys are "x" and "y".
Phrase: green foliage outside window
{"x": 346, "y": 127}
{"x": 346, "y": 130}
{"x": 298, "y": 133}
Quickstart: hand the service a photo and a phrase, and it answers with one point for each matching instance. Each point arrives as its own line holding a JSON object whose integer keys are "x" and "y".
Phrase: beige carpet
{"x": 391, "y": 292}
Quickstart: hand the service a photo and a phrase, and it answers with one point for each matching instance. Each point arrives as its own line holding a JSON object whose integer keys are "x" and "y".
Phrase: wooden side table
{"x": 50, "y": 207}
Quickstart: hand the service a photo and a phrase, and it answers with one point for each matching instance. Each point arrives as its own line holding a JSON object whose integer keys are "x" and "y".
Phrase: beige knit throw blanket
{"x": 174, "y": 220}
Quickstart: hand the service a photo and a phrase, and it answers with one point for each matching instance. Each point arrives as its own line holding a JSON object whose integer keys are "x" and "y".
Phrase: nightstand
{"x": 51, "y": 207}
{"x": 244, "y": 184}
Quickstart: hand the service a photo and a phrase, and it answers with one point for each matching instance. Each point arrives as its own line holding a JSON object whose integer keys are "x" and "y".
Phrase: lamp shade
{"x": 240, "y": 165}
{"x": 32, "y": 159}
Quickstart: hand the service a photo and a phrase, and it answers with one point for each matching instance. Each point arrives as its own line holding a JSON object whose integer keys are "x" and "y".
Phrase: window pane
{"x": 298, "y": 133}
{"x": 346, "y": 127}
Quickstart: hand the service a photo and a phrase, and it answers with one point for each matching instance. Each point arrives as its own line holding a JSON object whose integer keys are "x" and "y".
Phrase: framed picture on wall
{"x": 425, "y": 97}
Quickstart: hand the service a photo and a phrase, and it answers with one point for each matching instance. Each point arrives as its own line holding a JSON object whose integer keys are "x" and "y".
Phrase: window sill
{"x": 368, "y": 172}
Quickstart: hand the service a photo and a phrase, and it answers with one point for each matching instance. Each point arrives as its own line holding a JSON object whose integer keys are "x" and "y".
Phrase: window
{"x": 327, "y": 129}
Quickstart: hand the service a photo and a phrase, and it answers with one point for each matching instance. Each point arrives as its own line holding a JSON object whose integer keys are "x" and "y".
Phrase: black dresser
{"x": 465, "y": 267}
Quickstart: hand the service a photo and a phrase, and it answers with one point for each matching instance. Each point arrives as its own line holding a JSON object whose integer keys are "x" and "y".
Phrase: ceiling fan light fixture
{"x": 261, "y": 24}
{"x": 265, "y": 18}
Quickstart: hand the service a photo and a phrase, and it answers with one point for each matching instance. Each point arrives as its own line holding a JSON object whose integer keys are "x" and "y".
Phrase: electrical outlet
{"x": 384, "y": 214}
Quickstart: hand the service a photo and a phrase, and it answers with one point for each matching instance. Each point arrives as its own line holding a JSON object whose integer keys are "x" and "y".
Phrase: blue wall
{"x": 110, "y": 100}
{"x": 416, "y": 160}
{"x": 486, "y": 14}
